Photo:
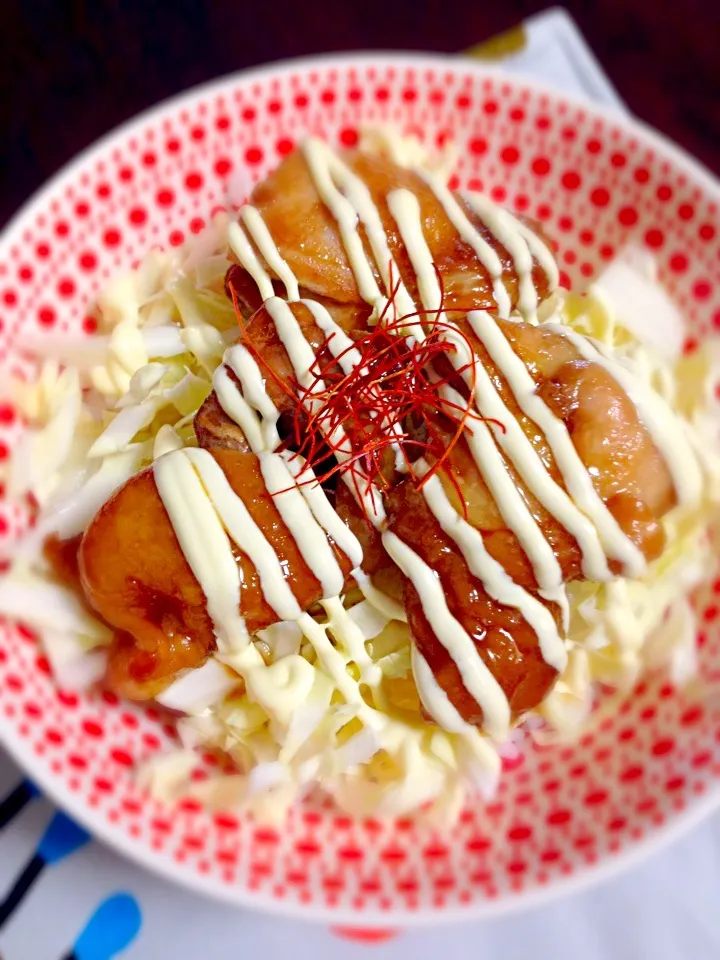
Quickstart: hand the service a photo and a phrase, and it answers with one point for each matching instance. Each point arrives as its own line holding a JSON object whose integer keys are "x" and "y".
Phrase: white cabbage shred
{"x": 103, "y": 406}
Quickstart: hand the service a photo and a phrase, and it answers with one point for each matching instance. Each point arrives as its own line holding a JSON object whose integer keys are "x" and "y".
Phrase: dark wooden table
{"x": 70, "y": 71}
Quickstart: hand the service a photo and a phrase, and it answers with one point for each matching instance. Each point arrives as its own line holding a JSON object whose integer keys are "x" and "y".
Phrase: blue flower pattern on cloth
{"x": 112, "y": 927}
{"x": 114, "y": 923}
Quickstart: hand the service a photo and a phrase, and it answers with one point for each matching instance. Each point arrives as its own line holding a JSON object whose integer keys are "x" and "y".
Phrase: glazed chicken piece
{"x": 240, "y": 287}
{"x": 506, "y": 642}
{"x": 308, "y": 239}
{"x": 134, "y": 574}
{"x": 627, "y": 471}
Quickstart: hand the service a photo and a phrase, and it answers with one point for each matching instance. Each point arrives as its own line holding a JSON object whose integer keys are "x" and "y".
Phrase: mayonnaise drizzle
{"x": 574, "y": 472}
{"x": 204, "y": 543}
{"x": 352, "y": 637}
{"x": 405, "y": 209}
{"x": 476, "y": 676}
{"x": 268, "y": 248}
{"x": 486, "y": 254}
{"x": 322, "y": 509}
{"x": 314, "y": 547}
{"x": 350, "y": 205}
{"x": 205, "y": 511}
{"x": 664, "y": 426}
{"x": 297, "y": 516}
{"x": 538, "y": 248}
{"x": 207, "y": 515}
{"x": 433, "y": 697}
{"x": 599, "y": 522}
{"x": 503, "y": 226}
{"x": 238, "y": 409}
{"x": 245, "y": 368}
{"x": 338, "y": 342}
{"x": 243, "y": 250}
{"x": 499, "y": 585}
{"x": 385, "y": 604}
{"x": 302, "y": 358}
{"x": 522, "y": 454}
{"x": 243, "y": 531}
{"x": 511, "y": 504}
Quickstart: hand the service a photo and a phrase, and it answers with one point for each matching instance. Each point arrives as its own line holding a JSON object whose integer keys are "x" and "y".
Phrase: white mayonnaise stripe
{"x": 344, "y": 628}
{"x": 243, "y": 530}
{"x": 503, "y": 227}
{"x": 243, "y": 250}
{"x": 204, "y": 511}
{"x": 521, "y": 453}
{"x": 523, "y": 245}
{"x": 366, "y": 494}
{"x": 540, "y": 251}
{"x": 484, "y": 252}
{"x": 204, "y": 544}
{"x": 350, "y": 202}
{"x": 258, "y": 230}
{"x": 405, "y": 209}
{"x": 577, "y": 479}
{"x": 302, "y": 358}
{"x": 237, "y": 408}
{"x": 520, "y": 242}
{"x": 510, "y": 502}
{"x": 333, "y": 661}
{"x": 433, "y": 697}
{"x": 349, "y": 205}
{"x": 392, "y": 733}
{"x": 338, "y": 342}
{"x": 194, "y": 500}
{"x": 322, "y": 509}
{"x": 477, "y": 677}
{"x": 243, "y": 365}
{"x": 346, "y": 217}
{"x": 499, "y": 585}
{"x": 342, "y": 347}
{"x": 350, "y": 359}
{"x": 664, "y": 426}
{"x": 301, "y": 354}
{"x": 297, "y": 516}
{"x": 385, "y": 604}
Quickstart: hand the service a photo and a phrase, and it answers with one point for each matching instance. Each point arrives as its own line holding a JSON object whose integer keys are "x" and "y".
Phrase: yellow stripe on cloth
{"x": 503, "y": 45}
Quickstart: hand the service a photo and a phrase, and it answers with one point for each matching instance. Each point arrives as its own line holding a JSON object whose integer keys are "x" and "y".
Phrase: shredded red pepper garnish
{"x": 367, "y": 412}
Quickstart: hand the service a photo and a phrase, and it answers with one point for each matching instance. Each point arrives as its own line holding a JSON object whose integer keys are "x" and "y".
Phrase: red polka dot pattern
{"x": 559, "y": 811}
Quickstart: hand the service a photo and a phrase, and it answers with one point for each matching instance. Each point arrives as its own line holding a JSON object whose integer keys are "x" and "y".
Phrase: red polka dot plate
{"x": 562, "y": 815}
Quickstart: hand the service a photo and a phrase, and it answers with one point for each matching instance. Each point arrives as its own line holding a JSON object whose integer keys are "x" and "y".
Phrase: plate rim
{"x": 391, "y": 58}
{"x": 585, "y": 876}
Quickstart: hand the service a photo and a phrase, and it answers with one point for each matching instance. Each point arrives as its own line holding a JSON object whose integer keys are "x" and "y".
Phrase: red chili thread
{"x": 367, "y": 409}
